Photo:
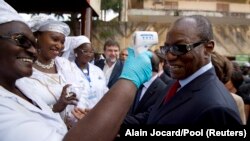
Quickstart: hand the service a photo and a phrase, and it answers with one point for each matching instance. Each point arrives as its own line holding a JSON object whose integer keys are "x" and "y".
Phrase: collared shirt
{"x": 107, "y": 71}
{"x": 146, "y": 85}
{"x": 195, "y": 75}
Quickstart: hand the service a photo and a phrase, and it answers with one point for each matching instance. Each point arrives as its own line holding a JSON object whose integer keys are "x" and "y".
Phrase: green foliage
{"x": 115, "y": 5}
{"x": 106, "y": 30}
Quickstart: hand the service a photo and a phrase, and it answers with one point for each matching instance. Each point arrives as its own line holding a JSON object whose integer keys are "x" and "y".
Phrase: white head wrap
{"x": 8, "y": 13}
{"x": 48, "y": 23}
{"x": 71, "y": 43}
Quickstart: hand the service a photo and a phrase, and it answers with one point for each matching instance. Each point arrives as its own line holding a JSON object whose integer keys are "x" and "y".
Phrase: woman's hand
{"x": 65, "y": 99}
{"x": 80, "y": 113}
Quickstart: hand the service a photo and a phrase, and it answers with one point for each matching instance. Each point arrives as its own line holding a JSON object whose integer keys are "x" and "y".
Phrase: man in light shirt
{"x": 111, "y": 66}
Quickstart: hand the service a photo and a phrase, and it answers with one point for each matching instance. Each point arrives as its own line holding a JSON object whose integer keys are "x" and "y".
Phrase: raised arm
{"x": 104, "y": 120}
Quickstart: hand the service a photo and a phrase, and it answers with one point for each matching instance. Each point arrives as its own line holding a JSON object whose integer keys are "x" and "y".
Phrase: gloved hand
{"x": 138, "y": 68}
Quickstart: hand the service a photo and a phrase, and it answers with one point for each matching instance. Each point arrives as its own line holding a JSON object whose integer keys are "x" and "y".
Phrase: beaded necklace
{"x": 50, "y": 65}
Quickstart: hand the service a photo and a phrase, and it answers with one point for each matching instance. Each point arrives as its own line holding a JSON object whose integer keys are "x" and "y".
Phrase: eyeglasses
{"x": 86, "y": 52}
{"x": 180, "y": 49}
{"x": 20, "y": 40}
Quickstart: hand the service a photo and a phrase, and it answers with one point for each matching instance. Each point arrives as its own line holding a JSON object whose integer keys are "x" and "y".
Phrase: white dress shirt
{"x": 108, "y": 71}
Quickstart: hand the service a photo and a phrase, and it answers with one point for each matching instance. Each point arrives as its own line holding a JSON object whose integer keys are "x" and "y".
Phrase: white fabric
{"x": 97, "y": 84}
{"x": 108, "y": 71}
{"x": 20, "y": 120}
{"x": 48, "y": 23}
{"x": 8, "y": 13}
{"x": 52, "y": 88}
{"x": 246, "y": 64}
{"x": 71, "y": 43}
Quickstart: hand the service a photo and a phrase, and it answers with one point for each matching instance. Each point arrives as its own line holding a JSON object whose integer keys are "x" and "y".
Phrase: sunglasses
{"x": 19, "y": 40}
{"x": 180, "y": 49}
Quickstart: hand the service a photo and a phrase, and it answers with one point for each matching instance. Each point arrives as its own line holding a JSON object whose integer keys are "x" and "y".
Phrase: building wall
{"x": 230, "y": 40}
{"x": 197, "y": 5}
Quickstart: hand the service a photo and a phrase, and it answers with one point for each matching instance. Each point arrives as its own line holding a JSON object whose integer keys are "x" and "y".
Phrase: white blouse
{"x": 52, "y": 84}
{"x": 20, "y": 120}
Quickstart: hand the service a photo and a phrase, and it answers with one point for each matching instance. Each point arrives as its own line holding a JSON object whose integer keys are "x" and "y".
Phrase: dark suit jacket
{"x": 115, "y": 73}
{"x": 166, "y": 78}
{"x": 203, "y": 101}
{"x": 148, "y": 99}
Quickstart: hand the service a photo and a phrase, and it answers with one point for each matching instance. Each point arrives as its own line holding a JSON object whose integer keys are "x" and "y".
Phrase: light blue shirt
{"x": 199, "y": 72}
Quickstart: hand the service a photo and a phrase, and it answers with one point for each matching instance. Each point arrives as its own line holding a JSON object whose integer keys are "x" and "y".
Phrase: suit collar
{"x": 196, "y": 74}
{"x": 148, "y": 83}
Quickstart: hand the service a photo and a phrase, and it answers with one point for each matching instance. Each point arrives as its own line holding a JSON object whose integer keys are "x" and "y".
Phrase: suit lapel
{"x": 115, "y": 71}
{"x": 151, "y": 90}
{"x": 183, "y": 95}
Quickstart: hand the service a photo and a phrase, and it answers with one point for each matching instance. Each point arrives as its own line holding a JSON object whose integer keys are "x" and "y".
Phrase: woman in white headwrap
{"x": 80, "y": 52}
{"x": 26, "y": 117}
{"x": 53, "y": 72}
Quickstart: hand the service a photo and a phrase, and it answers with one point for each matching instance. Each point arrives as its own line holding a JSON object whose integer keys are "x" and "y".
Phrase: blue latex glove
{"x": 138, "y": 68}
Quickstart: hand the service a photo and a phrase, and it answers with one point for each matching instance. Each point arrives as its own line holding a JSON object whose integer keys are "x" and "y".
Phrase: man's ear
{"x": 209, "y": 47}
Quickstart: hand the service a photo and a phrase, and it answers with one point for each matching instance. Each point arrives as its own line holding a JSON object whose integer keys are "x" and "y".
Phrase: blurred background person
{"x": 163, "y": 72}
{"x": 244, "y": 92}
{"x": 123, "y": 54}
{"x": 224, "y": 69}
{"x": 112, "y": 65}
{"x": 245, "y": 68}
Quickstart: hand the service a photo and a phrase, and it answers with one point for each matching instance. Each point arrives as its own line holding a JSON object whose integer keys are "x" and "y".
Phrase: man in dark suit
{"x": 147, "y": 94}
{"x": 145, "y": 102}
{"x": 111, "y": 66}
{"x": 200, "y": 98}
